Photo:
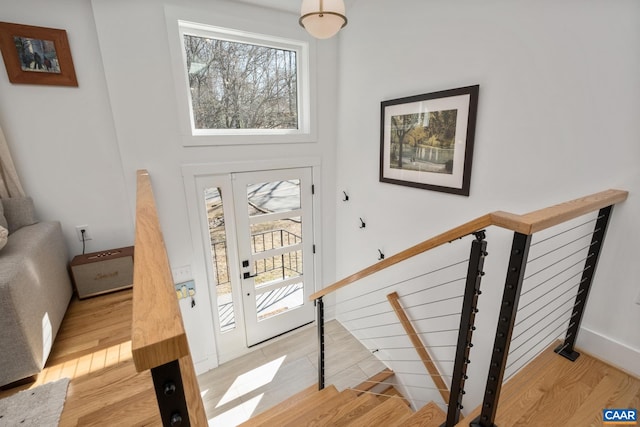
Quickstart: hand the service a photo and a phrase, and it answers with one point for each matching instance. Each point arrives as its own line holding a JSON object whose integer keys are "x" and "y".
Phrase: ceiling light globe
{"x": 323, "y": 22}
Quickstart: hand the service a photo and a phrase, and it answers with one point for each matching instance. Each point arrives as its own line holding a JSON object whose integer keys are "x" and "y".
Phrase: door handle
{"x": 248, "y": 275}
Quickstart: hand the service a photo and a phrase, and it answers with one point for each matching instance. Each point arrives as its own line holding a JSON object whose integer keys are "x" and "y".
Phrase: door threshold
{"x": 279, "y": 335}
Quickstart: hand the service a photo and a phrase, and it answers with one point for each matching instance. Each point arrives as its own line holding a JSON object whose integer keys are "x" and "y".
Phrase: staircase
{"x": 358, "y": 406}
{"x": 550, "y": 391}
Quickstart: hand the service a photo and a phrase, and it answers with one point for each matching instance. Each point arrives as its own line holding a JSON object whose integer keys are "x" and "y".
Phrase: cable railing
{"x": 550, "y": 299}
{"x": 421, "y": 327}
{"x": 548, "y": 280}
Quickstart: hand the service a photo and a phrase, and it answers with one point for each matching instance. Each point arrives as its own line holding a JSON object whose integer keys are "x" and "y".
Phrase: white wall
{"x": 63, "y": 139}
{"x": 134, "y": 42}
{"x": 557, "y": 119}
{"x": 77, "y": 149}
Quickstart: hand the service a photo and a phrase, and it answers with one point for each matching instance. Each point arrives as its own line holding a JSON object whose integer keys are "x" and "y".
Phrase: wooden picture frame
{"x": 426, "y": 141}
{"x": 37, "y": 55}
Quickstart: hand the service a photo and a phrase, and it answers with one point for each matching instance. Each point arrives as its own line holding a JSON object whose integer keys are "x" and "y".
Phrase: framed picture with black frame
{"x": 426, "y": 141}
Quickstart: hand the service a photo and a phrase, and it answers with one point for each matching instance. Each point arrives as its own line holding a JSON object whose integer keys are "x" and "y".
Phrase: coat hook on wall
{"x": 346, "y": 197}
{"x": 362, "y": 223}
{"x": 381, "y": 256}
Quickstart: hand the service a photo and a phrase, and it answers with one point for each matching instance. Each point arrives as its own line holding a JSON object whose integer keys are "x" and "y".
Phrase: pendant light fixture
{"x": 322, "y": 18}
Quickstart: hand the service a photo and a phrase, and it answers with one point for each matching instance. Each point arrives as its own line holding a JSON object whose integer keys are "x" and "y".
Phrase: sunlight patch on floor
{"x": 238, "y": 414}
{"x": 86, "y": 364}
{"x": 252, "y": 380}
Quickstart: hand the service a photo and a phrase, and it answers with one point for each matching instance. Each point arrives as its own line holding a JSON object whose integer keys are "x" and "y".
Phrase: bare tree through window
{"x": 238, "y": 85}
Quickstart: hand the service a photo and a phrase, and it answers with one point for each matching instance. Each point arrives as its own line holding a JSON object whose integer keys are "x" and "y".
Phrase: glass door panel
{"x": 275, "y": 246}
{"x": 219, "y": 258}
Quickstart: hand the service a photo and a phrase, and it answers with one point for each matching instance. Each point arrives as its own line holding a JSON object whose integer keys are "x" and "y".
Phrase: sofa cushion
{"x": 19, "y": 212}
{"x": 4, "y": 235}
{"x": 34, "y": 292}
{"x": 3, "y": 220}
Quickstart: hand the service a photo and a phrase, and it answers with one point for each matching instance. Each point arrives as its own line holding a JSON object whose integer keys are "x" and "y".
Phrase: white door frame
{"x": 192, "y": 174}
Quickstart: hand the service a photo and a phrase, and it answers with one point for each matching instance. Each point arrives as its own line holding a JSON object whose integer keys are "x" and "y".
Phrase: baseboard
{"x": 612, "y": 352}
{"x": 202, "y": 366}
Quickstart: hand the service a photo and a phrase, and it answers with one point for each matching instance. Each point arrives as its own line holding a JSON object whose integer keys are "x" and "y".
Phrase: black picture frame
{"x": 427, "y": 141}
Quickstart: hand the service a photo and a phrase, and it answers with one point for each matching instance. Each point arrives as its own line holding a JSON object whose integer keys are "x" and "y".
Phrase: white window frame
{"x": 205, "y": 137}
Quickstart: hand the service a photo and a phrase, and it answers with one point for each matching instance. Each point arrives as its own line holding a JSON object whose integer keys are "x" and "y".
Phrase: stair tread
{"x": 392, "y": 392}
{"x": 373, "y": 381}
{"x": 430, "y": 415}
{"x": 352, "y": 410}
{"x": 294, "y": 406}
{"x": 391, "y": 412}
{"x": 322, "y": 413}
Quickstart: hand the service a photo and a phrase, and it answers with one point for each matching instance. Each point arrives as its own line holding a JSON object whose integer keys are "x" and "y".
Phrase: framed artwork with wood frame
{"x": 37, "y": 55}
{"x": 426, "y": 141}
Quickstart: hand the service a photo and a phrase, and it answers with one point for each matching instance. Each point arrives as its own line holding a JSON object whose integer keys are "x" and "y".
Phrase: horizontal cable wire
{"x": 557, "y": 287}
{"x": 435, "y": 301}
{"x": 398, "y": 323}
{"x": 362, "y": 307}
{"x": 533, "y": 357}
{"x": 560, "y": 260}
{"x": 410, "y": 306}
{"x": 425, "y": 346}
{"x": 560, "y": 305}
{"x": 559, "y": 273}
{"x": 543, "y": 328}
{"x": 558, "y": 248}
{"x": 348, "y": 367}
{"x": 567, "y": 230}
{"x": 394, "y": 384}
{"x": 368, "y": 316}
{"x": 416, "y": 360}
{"x": 433, "y": 287}
{"x": 418, "y": 334}
{"x": 544, "y": 338}
{"x": 416, "y": 373}
{"x": 438, "y": 316}
{"x": 406, "y": 280}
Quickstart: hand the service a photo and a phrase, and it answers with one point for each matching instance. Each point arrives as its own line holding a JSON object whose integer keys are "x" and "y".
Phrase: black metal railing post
{"x": 320, "y": 308}
{"x": 465, "y": 332}
{"x": 506, "y": 321}
{"x": 566, "y": 349}
{"x": 170, "y": 395}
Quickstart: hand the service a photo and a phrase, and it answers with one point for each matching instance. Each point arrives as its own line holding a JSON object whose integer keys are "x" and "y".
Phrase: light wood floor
{"x": 249, "y": 385}
{"x": 553, "y": 391}
{"x": 93, "y": 348}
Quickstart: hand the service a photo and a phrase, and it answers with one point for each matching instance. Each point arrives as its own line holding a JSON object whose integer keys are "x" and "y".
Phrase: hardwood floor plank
{"x": 553, "y": 391}
{"x": 354, "y": 409}
{"x": 281, "y": 415}
{"x": 430, "y": 415}
{"x": 322, "y": 413}
{"x": 93, "y": 349}
{"x": 391, "y": 412}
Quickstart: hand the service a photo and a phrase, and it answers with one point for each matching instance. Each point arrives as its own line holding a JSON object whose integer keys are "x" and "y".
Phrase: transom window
{"x": 241, "y": 83}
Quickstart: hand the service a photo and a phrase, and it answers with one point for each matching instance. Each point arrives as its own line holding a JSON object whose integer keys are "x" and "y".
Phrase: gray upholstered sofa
{"x": 35, "y": 289}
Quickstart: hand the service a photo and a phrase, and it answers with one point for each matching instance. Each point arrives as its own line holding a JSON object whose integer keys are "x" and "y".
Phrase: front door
{"x": 273, "y": 218}
{"x": 259, "y": 254}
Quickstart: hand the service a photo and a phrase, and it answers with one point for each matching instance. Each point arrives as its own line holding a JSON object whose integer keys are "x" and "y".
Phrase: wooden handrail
{"x": 529, "y": 223}
{"x": 158, "y": 336}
